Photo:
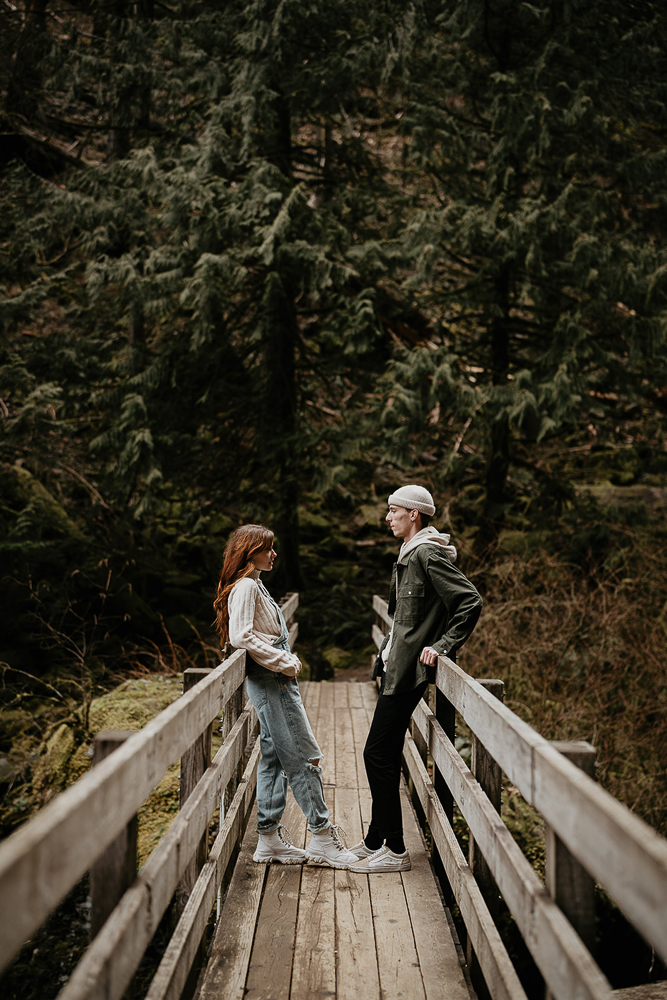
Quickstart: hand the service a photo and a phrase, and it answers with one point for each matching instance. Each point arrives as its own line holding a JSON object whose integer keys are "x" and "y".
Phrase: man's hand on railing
{"x": 428, "y": 656}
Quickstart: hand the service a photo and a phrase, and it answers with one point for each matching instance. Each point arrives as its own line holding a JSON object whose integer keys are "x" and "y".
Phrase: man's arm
{"x": 460, "y": 597}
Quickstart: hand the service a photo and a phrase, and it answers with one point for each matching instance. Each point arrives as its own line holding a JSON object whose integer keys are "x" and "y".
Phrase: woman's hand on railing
{"x": 293, "y": 670}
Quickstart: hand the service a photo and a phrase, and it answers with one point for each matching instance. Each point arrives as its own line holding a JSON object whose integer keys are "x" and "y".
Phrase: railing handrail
{"x": 626, "y": 856}
{"x": 617, "y": 848}
{"x": 45, "y": 858}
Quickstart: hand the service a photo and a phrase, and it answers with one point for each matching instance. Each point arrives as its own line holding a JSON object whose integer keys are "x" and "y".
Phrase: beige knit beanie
{"x": 414, "y": 498}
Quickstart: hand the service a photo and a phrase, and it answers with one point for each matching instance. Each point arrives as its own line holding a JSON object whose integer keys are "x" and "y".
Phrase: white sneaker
{"x": 360, "y": 850}
{"x": 383, "y": 860}
{"x": 328, "y": 848}
{"x": 278, "y": 846}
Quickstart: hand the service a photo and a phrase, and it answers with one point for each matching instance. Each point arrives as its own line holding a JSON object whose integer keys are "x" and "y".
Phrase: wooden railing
{"x": 591, "y": 837}
{"x": 92, "y": 827}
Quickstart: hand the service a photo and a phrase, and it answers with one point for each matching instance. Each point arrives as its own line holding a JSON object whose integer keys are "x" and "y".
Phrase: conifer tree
{"x": 536, "y": 134}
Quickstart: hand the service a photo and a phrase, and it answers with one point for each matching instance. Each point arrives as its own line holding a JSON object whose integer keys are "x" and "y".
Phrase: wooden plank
{"x": 346, "y": 759}
{"x": 398, "y": 963}
{"x": 293, "y": 635}
{"x": 565, "y": 963}
{"x": 494, "y": 961}
{"x": 288, "y": 605}
{"x": 177, "y": 961}
{"x": 626, "y": 856}
{"x": 348, "y": 813}
{"x": 380, "y": 608}
{"x": 270, "y": 971}
{"x": 115, "y": 870}
{"x": 229, "y": 954}
{"x": 355, "y": 699}
{"x": 567, "y": 882}
{"x": 649, "y": 991}
{"x": 314, "y": 973}
{"x": 357, "y": 976}
{"x": 194, "y": 762}
{"x": 439, "y": 960}
{"x": 359, "y": 720}
{"x": 341, "y": 697}
{"x": 369, "y": 693}
{"x": 109, "y": 963}
{"x": 377, "y": 635}
{"x": 40, "y": 862}
{"x": 326, "y": 734}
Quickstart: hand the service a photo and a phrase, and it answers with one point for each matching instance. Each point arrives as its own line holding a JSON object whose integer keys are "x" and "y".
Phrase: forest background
{"x": 267, "y": 261}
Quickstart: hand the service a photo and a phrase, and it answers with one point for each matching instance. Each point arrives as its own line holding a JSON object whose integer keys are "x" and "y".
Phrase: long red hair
{"x": 241, "y": 546}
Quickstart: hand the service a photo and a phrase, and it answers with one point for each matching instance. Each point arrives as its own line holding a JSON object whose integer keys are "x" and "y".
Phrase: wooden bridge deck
{"x": 288, "y": 932}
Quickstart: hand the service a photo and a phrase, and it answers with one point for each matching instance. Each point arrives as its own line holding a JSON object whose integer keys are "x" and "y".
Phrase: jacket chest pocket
{"x": 410, "y": 605}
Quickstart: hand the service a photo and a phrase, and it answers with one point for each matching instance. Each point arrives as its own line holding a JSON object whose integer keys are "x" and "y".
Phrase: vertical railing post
{"x": 567, "y": 882}
{"x": 116, "y": 868}
{"x": 194, "y": 762}
{"x": 445, "y": 714}
{"x": 489, "y": 775}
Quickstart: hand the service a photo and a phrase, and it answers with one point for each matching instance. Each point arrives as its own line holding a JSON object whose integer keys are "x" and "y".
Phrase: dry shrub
{"x": 582, "y": 657}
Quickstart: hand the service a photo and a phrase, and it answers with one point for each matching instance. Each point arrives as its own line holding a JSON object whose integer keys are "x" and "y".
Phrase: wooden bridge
{"x": 292, "y": 932}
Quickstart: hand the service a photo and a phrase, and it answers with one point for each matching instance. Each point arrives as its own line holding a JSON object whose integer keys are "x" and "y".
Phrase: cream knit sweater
{"x": 254, "y": 625}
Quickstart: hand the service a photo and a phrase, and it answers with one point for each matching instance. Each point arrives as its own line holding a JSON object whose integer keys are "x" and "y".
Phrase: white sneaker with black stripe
{"x": 360, "y": 850}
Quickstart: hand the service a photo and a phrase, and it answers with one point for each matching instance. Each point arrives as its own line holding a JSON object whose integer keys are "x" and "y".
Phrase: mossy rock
{"x": 66, "y": 755}
{"x": 38, "y": 513}
{"x": 338, "y": 659}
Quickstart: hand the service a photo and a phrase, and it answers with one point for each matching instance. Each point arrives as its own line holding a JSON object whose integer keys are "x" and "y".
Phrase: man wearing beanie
{"x": 434, "y": 610}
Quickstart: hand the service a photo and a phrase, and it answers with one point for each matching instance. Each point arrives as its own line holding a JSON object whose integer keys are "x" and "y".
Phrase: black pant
{"x": 382, "y": 757}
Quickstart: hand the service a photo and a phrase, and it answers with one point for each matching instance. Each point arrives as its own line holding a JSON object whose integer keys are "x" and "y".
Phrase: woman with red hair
{"x": 248, "y": 616}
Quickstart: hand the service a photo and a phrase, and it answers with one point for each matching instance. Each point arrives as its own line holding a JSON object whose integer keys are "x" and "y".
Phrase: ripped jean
{"x": 287, "y": 745}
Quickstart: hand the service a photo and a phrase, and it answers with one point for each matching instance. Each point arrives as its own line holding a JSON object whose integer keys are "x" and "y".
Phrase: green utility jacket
{"x": 432, "y": 604}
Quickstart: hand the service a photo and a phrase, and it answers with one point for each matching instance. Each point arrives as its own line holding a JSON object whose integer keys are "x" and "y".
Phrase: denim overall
{"x": 287, "y": 744}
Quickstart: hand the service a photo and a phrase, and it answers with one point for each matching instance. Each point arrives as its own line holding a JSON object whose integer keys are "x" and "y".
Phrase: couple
{"x": 434, "y": 609}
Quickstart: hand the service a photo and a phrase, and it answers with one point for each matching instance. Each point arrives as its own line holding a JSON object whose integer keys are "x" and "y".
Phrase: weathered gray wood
{"x": 489, "y": 776}
{"x": 229, "y": 954}
{"x": 41, "y": 862}
{"x": 626, "y": 856}
{"x": 288, "y": 606}
{"x": 113, "y": 957}
{"x": 293, "y": 635}
{"x": 115, "y": 869}
{"x": 314, "y": 973}
{"x": 194, "y": 762}
{"x": 567, "y": 882}
{"x": 496, "y": 965}
{"x": 326, "y": 735}
{"x": 650, "y": 991}
{"x": 378, "y": 635}
{"x": 346, "y": 760}
{"x": 270, "y": 969}
{"x": 270, "y": 972}
{"x": 394, "y": 940}
{"x": 356, "y": 966}
{"x": 566, "y": 965}
{"x": 182, "y": 950}
{"x": 439, "y": 961}
{"x": 380, "y": 609}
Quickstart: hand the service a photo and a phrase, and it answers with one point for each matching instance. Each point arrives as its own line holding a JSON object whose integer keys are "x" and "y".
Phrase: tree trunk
{"x": 498, "y": 462}
{"x": 25, "y": 83}
{"x": 280, "y": 421}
